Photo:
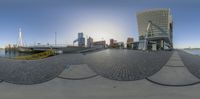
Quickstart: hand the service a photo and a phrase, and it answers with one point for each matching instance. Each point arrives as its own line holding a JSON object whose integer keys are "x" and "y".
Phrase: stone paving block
{"x": 126, "y": 65}
{"x": 35, "y": 71}
{"x": 77, "y": 72}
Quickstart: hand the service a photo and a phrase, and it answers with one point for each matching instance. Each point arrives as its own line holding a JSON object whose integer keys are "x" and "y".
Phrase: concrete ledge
{"x": 162, "y": 84}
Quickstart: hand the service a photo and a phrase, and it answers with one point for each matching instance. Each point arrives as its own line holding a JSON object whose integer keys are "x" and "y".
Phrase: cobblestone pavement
{"x": 126, "y": 65}
{"x": 77, "y": 72}
{"x": 192, "y": 62}
{"x": 35, "y": 71}
{"x": 113, "y": 64}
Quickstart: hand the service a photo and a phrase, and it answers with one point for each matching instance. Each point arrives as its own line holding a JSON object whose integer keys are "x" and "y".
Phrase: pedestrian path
{"x": 174, "y": 73}
{"x": 77, "y": 72}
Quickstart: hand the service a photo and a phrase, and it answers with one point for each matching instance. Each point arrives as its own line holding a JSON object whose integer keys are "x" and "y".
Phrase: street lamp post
{"x": 55, "y": 38}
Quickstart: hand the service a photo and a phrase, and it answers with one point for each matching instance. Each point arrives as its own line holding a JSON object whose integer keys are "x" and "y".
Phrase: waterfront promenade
{"x": 125, "y": 65}
{"x": 174, "y": 73}
{"x": 102, "y": 74}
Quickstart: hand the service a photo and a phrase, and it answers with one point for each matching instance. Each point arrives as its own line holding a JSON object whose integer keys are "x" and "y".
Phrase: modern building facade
{"x": 120, "y": 45}
{"x": 135, "y": 45}
{"x": 99, "y": 44}
{"x": 155, "y": 29}
{"x": 80, "y": 40}
{"x": 129, "y": 43}
{"x": 90, "y": 42}
{"x": 113, "y": 43}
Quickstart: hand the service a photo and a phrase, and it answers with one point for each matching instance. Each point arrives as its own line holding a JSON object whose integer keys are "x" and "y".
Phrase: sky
{"x": 100, "y": 19}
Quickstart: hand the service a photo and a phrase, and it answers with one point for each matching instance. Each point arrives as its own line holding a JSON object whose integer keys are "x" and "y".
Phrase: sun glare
{"x": 102, "y": 30}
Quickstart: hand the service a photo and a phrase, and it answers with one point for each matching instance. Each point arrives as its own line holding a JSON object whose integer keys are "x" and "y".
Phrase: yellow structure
{"x": 36, "y": 56}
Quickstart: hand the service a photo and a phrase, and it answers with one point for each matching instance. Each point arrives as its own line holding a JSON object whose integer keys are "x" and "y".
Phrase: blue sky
{"x": 101, "y": 19}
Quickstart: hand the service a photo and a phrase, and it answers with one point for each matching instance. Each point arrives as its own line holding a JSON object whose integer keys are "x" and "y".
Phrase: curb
{"x": 169, "y": 85}
{"x": 83, "y": 78}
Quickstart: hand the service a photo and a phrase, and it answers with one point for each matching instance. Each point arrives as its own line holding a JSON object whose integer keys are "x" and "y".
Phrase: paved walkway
{"x": 77, "y": 72}
{"x": 192, "y": 62}
{"x": 126, "y": 65}
{"x": 97, "y": 88}
{"x": 35, "y": 71}
{"x": 174, "y": 73}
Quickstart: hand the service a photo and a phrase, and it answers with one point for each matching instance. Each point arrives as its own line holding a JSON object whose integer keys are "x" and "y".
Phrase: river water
{"x": 194, "y": 52}
{"x": 2, "y": 53}
{"x": 11, "y": 54}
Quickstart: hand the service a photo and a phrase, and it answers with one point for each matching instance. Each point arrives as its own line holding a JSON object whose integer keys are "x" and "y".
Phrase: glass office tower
{"x": 155, "y": 29}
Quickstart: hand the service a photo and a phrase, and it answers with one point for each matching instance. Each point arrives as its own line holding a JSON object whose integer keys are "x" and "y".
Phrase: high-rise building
{"x": 129, "y": 43}
{"x": 111, "y": 42}
{"x": 80, "y": 40}
{"x": 90, "y": 42}
{"x": 155, "y": 29}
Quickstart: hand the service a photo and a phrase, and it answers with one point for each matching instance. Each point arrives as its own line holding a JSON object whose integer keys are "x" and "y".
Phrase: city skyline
{"x": 102, "y": 20}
